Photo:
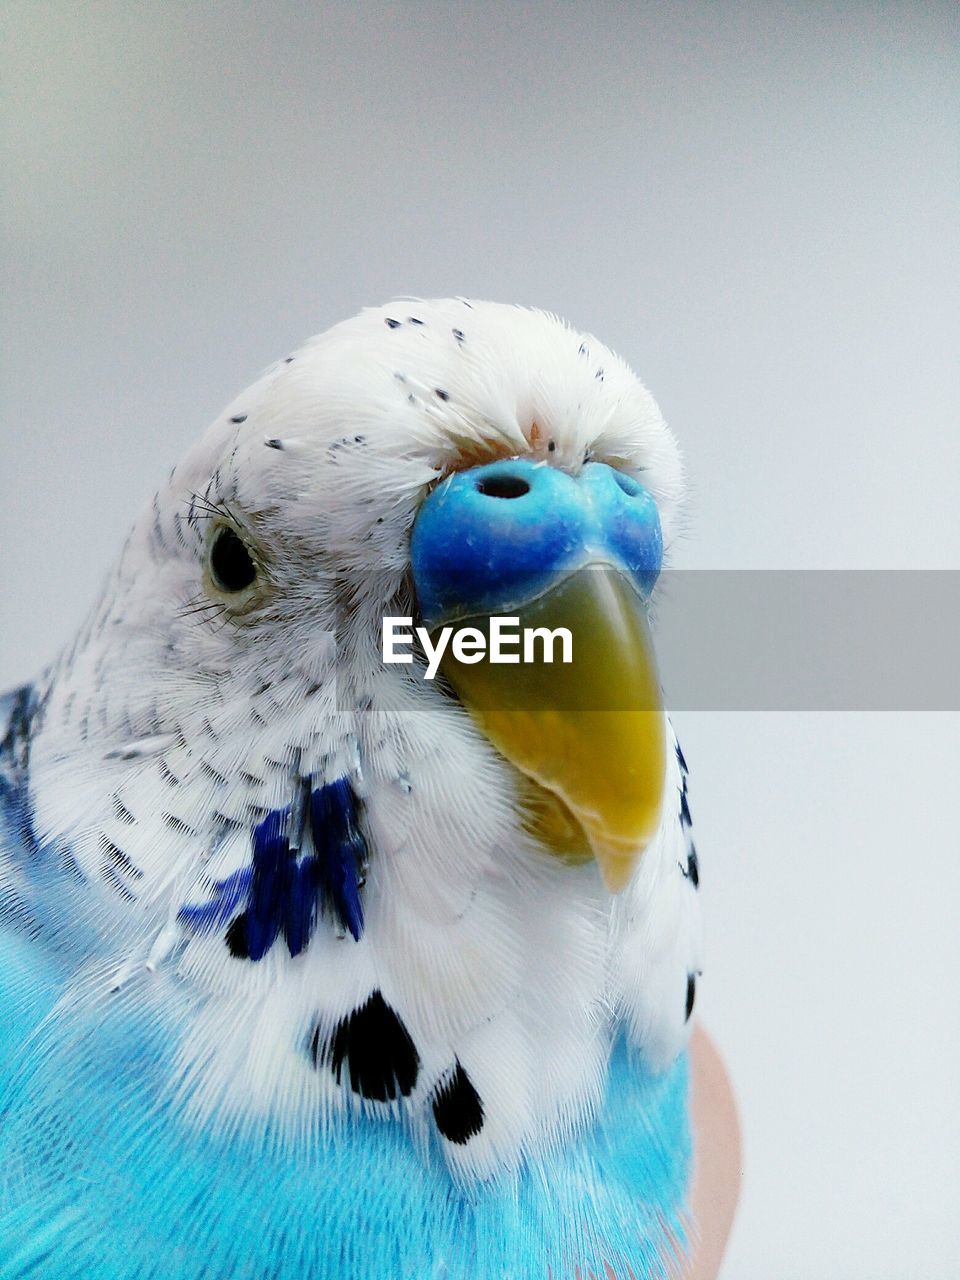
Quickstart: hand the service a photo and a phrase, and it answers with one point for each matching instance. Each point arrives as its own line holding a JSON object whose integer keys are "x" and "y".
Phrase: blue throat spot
{"x": 285, "y": 890}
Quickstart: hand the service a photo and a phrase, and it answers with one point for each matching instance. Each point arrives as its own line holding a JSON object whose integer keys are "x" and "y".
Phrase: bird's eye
{"x": 231, "y": 565}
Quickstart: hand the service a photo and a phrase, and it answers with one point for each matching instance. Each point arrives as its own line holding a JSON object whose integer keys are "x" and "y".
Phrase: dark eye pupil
{"x": 230, "y": 561}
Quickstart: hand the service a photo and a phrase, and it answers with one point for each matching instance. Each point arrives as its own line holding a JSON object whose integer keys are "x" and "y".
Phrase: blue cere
{"x": 284, "y": 890}
{"x": 626, "y": 521}
{"x": 491, "y": 538}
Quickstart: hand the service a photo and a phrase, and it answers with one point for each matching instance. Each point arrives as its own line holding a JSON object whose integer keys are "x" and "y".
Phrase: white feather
{"x": 168, "y": 728}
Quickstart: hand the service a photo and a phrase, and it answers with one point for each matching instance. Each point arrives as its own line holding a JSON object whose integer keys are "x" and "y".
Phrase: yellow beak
{"x": 588, "y": 735}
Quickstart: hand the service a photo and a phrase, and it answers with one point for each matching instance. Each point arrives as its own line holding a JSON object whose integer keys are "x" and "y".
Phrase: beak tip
{"x": 617, "y": 868}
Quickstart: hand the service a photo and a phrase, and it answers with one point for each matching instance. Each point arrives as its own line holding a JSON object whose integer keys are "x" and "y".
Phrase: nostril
{"x": 629, "y": 486}
{"x": 505, "y": 486}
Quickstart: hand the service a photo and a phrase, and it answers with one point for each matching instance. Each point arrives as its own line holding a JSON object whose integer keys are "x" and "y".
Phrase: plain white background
{"x": 759, "y": 206}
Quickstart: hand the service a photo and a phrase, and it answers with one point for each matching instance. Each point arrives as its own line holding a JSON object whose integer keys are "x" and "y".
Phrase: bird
{"x": 313, "y": 966}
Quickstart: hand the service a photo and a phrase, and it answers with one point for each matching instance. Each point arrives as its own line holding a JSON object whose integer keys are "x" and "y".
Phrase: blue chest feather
{"x": 105, "y": 1180}
{"x": 104, "y": 1177}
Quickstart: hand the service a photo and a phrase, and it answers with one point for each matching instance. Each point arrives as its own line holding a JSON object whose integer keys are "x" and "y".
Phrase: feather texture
{"x": 289, "y": 988}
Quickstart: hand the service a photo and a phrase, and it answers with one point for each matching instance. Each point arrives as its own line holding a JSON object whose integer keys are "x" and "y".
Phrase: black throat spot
{"x": 380, "y": 1056}
{"x": 458, "y": 1108}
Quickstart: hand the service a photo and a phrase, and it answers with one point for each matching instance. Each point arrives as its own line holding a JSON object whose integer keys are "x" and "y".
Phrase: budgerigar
{"x": 314, "y": 968}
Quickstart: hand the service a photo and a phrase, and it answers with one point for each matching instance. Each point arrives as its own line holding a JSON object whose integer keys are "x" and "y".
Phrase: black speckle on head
{"x": 241, "y": 417}
{"x": 584, "y": 349}
{"x": 391, "y": 323}
{"x": 413, "y": 320}
{"x": 169, "y": 777}
{"x": 599, "y": 375}
{"x": 381, "y": 1059}
{"x": 273, "y": 443}
{"x": 552, "y": 446}
{"x": 442, "y": 395}
{"x": 175, "y": 823}
{"x": 691, "y": 995}
{"x": 122, "y": 812}
{"x": 208, "y": 771}
{"x": 112, "y": 853}
{"x": 693, "y": 867}
{"x": 458, "y": 1108}
{"x": 685, "y": 819}
{"x": 289, "y": 360}
{"x": 458, "y": 334}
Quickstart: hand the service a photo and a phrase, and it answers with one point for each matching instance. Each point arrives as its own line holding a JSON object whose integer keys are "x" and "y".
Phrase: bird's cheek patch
{"x": 308, "y": 858}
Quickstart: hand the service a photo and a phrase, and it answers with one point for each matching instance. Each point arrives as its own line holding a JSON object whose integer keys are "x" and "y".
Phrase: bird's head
{"x": 443, "y": 461}
{"x": 233, "y": 773}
